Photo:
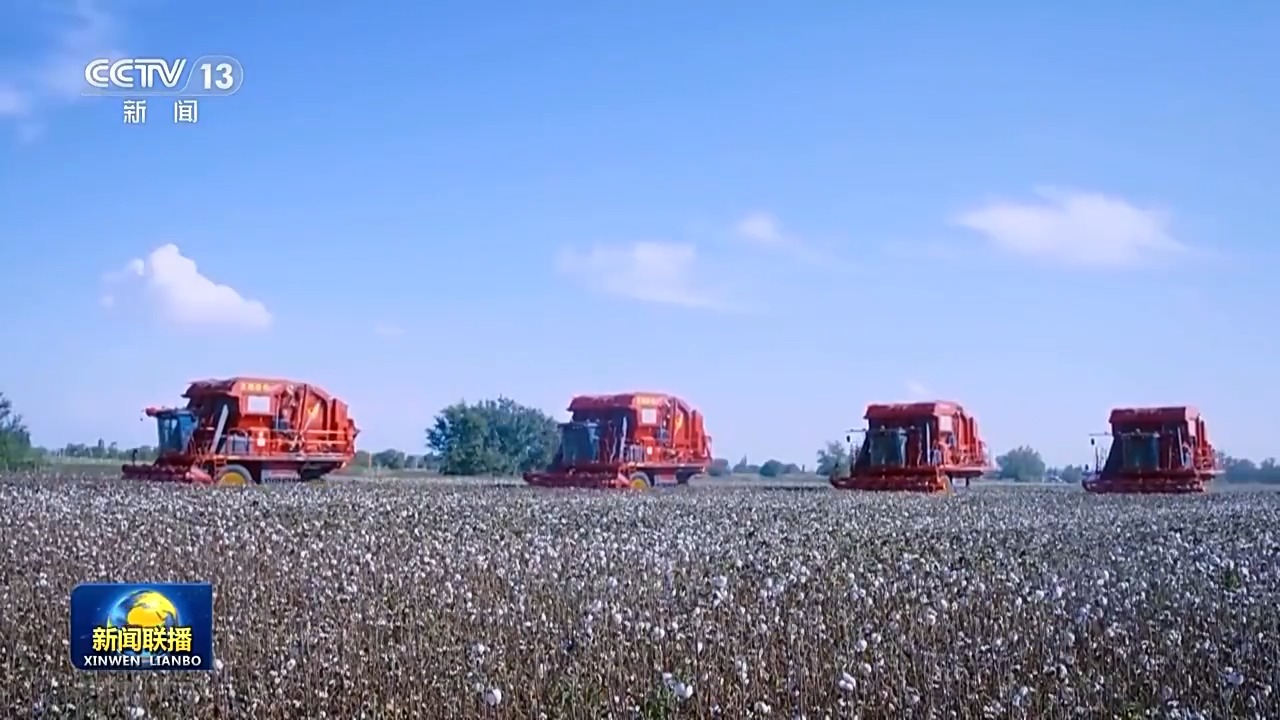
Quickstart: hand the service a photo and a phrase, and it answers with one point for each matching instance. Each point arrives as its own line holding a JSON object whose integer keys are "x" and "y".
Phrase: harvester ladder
{"x": 216, "y": 463}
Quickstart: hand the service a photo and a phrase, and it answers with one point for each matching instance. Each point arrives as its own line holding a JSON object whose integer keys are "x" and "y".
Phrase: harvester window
{"x": 580, "y": 442}
{"x": 888, "y": 446}
{"x": 945, "y": 424}
{"x": 1141, "y": 450}
{"x": 169, "y": 434}
{"x": 258, "y": 404}
{"x": 175, "y": 430}
{"x": 649, "y": 416}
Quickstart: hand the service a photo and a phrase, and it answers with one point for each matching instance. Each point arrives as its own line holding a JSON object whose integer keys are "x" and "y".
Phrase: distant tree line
{"x": 393, "y": 459}
{"x": 1244, "y": 470}
{"x": 502, "y": 437}
{"x": 98, "y": 451}
{"x": 720, "y": 467}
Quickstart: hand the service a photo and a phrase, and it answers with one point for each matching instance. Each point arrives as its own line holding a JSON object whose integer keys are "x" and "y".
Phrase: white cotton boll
{"x": 492, "y": 697}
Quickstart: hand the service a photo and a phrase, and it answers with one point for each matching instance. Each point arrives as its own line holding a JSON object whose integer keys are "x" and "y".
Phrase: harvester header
{"x": 635, "y": 440}
{"x": 920, "y": 446}
{"x": 1155, "y": 450}
{"x": 245, "y": 430}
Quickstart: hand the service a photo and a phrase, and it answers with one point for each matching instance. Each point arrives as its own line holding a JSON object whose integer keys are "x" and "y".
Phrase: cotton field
{"x": 408, "y": 600}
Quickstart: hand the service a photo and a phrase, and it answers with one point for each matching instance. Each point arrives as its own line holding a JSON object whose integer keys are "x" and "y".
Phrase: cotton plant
{"x": 387, "y": 599}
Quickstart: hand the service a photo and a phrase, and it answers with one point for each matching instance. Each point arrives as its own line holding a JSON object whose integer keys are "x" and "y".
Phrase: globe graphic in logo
{"x": 143, "y": 609}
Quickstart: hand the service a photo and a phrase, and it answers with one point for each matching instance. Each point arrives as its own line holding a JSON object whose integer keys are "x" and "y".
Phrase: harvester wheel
{"x": 234, "y": 476}
{"x": 639, "y": 481}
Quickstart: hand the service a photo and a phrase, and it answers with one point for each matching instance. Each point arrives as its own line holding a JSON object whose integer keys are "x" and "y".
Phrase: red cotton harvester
{"x": 250, "y": 430}
{"x": 1154, "y": 450}
{"x": 921, "y": 447}
{"x": 632, "y": 440}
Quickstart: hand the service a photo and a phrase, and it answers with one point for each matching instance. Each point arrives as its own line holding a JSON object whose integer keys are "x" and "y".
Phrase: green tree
{"x": 492, "y": 437}
{"x": 719, "y": 468}
{"x": 1022, "y": 463}
{"x": 771, "y": 469}
{"x": 430, "y": 462}
{"x": 363, "y": 459}
{"x": 1072, "y": 474}
{"x": 391, "y": 459}
{"x": 743, "y": 466}
{"x": 1269, "y": 467}
{"x": 1244, "y": 470}
{"x": 833, "y": 459}
{"x": 15, "y": 441}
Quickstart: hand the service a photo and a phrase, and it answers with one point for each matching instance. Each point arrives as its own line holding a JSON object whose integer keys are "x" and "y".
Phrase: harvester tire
{"x": 640, "y": 481}
{"x": 234, "y": 476}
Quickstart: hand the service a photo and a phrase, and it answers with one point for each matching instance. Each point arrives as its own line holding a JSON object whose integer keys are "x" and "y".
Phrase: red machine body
{"x": 1155, "y": 450}
{"x": 920, "y": 447}
{"x": 245, "y": 430}
{"x": 632, "y": 440}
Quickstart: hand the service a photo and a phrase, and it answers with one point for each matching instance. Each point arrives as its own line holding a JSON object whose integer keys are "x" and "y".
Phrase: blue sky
{"x": 779, "y": 211}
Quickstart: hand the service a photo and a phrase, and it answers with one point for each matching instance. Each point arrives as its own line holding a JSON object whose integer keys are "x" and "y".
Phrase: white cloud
{"x": 388, "y": 330}
{"x": 763, "y": 230}
{"x": 186, "y": 297}
{"x": 81, "y": 31}
{"x": 656, "y": 272}
{"x": 1079, "y": 228}
{"x": 917, "y": 390}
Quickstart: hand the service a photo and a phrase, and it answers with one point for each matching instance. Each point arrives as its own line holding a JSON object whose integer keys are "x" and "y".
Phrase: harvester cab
{"x": 582, "y": 440}
{"x": 920, "y": 447}
{"x": 175, "y": 427}
{"x": 579, "y": 442}
{"x": 1154, "y": 450}
{"x": 632, "y": 440}
{"x": 594, "y": 437}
